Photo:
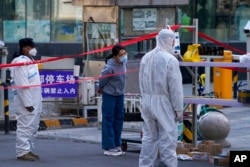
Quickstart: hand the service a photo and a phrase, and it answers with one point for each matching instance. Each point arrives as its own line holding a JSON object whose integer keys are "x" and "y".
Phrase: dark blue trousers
{"x": 112, "y": 120}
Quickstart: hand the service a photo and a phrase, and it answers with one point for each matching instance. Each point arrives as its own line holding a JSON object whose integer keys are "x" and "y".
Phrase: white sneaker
{"x": 120, "y": 150}
{"x": 112, "y": 152}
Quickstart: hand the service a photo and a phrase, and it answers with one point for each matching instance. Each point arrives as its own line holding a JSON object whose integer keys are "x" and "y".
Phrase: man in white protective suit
{"x": 161, "y": 88}
{"x": 27, "y": 99}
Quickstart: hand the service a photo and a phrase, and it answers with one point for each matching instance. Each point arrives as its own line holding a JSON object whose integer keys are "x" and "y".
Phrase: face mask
{"x": 33, "y": 52}
{"x": 124, "y": 58}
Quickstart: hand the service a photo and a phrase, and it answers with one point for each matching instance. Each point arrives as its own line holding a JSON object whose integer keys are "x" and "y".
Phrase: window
{"x": 240, "y": 19}
{"x": 66, "y": 22}
{"x": 1, "y": 21}
{"x": 213, "y": 22}
{"x": 42, "y": 20}
{"x": 13, "y": 20}
{"x": 38, "y": 20}
{"x": 99, "y": 35}
{"x": 140, "y": 21}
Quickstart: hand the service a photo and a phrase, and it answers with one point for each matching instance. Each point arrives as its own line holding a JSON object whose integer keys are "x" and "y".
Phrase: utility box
{"x": 87, "y": 91}
{"x": 223, "y": 78}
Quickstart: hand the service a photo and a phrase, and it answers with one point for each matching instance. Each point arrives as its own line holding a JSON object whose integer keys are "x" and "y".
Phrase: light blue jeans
{"x": 112, "y": 120}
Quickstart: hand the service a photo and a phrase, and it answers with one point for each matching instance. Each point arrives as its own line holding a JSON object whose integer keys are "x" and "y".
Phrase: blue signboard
{"x": 57, "y": 83}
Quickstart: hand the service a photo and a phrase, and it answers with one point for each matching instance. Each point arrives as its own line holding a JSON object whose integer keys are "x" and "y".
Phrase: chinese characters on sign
{"x": 58, "y": 83}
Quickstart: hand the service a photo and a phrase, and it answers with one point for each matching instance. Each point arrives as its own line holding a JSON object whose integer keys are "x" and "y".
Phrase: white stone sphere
{"x": 214, "y": 125}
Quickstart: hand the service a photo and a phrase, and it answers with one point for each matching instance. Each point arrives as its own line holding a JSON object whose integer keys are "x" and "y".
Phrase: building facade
{"x": 55, "y": 25}
{"x": 58, "y": 28}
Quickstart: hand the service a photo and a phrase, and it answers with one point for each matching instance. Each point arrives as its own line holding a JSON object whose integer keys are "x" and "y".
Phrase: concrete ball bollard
{"x": 214, "y": 126}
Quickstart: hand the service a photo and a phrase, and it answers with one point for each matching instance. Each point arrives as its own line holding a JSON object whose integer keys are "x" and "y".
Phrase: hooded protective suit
{"x": 27, "y": 122}
{"x": 162, "y": 95}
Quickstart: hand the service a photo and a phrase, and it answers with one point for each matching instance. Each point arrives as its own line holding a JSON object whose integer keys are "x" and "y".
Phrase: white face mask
{"x": 124, "y": 58}
{"x": 33, "y": 52}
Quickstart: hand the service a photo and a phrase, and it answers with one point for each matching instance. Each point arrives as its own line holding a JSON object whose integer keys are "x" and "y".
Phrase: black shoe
{"x": 35, "y": 155}
{"x": 27, "y": 157}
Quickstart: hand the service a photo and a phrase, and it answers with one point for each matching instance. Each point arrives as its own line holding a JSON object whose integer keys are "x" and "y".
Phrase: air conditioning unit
{"x": 87, "y": 91}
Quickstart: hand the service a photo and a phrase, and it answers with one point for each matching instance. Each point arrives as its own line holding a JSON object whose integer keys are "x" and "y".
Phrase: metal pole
{"x": 235, "y": 84}
{"x": 207, "y": 79}
{"x": 248, "y": 43}
{"x": 195, "y": 86}
{"x": 3, "y": 54}
{"x": 4, "y": 61}
{"x": 248, "y": 51}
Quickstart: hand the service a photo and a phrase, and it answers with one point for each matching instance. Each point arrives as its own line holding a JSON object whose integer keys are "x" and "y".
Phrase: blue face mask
{"x": 124, "y": 58}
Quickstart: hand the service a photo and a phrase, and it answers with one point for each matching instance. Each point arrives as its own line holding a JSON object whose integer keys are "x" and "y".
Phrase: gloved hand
{"x": 99, "y": 91}
{"x": 179, "y": 116}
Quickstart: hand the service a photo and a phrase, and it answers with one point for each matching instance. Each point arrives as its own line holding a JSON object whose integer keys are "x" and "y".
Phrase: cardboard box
{"x": 188, "y": 145}
{"x": 209, "y": 142}
{"x": 211, "y": 160}
{"x": 200, "y": 156}
{"x": 219, "y": 161}
{"x": 201, "y": 146}
{"x": 180, "y": 144}
{"x": 194, "y": 149}
{"x": 180, "y": 150}
{"x": 212, "y": 149}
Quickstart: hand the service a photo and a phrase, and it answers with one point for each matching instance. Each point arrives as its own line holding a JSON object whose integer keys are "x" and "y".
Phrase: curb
{"x": 54, "y": 123}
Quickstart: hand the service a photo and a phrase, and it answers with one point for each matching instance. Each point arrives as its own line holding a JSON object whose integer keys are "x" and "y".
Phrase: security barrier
{"x": 223, "y": 77}
{"x": 187, "y": 131}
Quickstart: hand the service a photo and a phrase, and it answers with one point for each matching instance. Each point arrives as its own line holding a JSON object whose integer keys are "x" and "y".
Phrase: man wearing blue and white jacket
{"x": 112, "y": 86}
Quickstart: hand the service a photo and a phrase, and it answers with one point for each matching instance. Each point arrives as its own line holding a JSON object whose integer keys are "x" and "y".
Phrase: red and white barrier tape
{"x": 124, "y": 43}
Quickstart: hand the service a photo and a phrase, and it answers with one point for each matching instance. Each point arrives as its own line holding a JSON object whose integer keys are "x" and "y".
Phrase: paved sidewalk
{"x": 238, "y": 137}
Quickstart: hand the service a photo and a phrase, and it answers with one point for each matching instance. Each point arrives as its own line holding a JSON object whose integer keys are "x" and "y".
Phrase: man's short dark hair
{"x": 26, "y": 42}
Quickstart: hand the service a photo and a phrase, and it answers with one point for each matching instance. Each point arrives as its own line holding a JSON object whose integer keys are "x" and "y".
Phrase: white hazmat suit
{"x": 28, "y": 93}
{"x": 162, "y": 96}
